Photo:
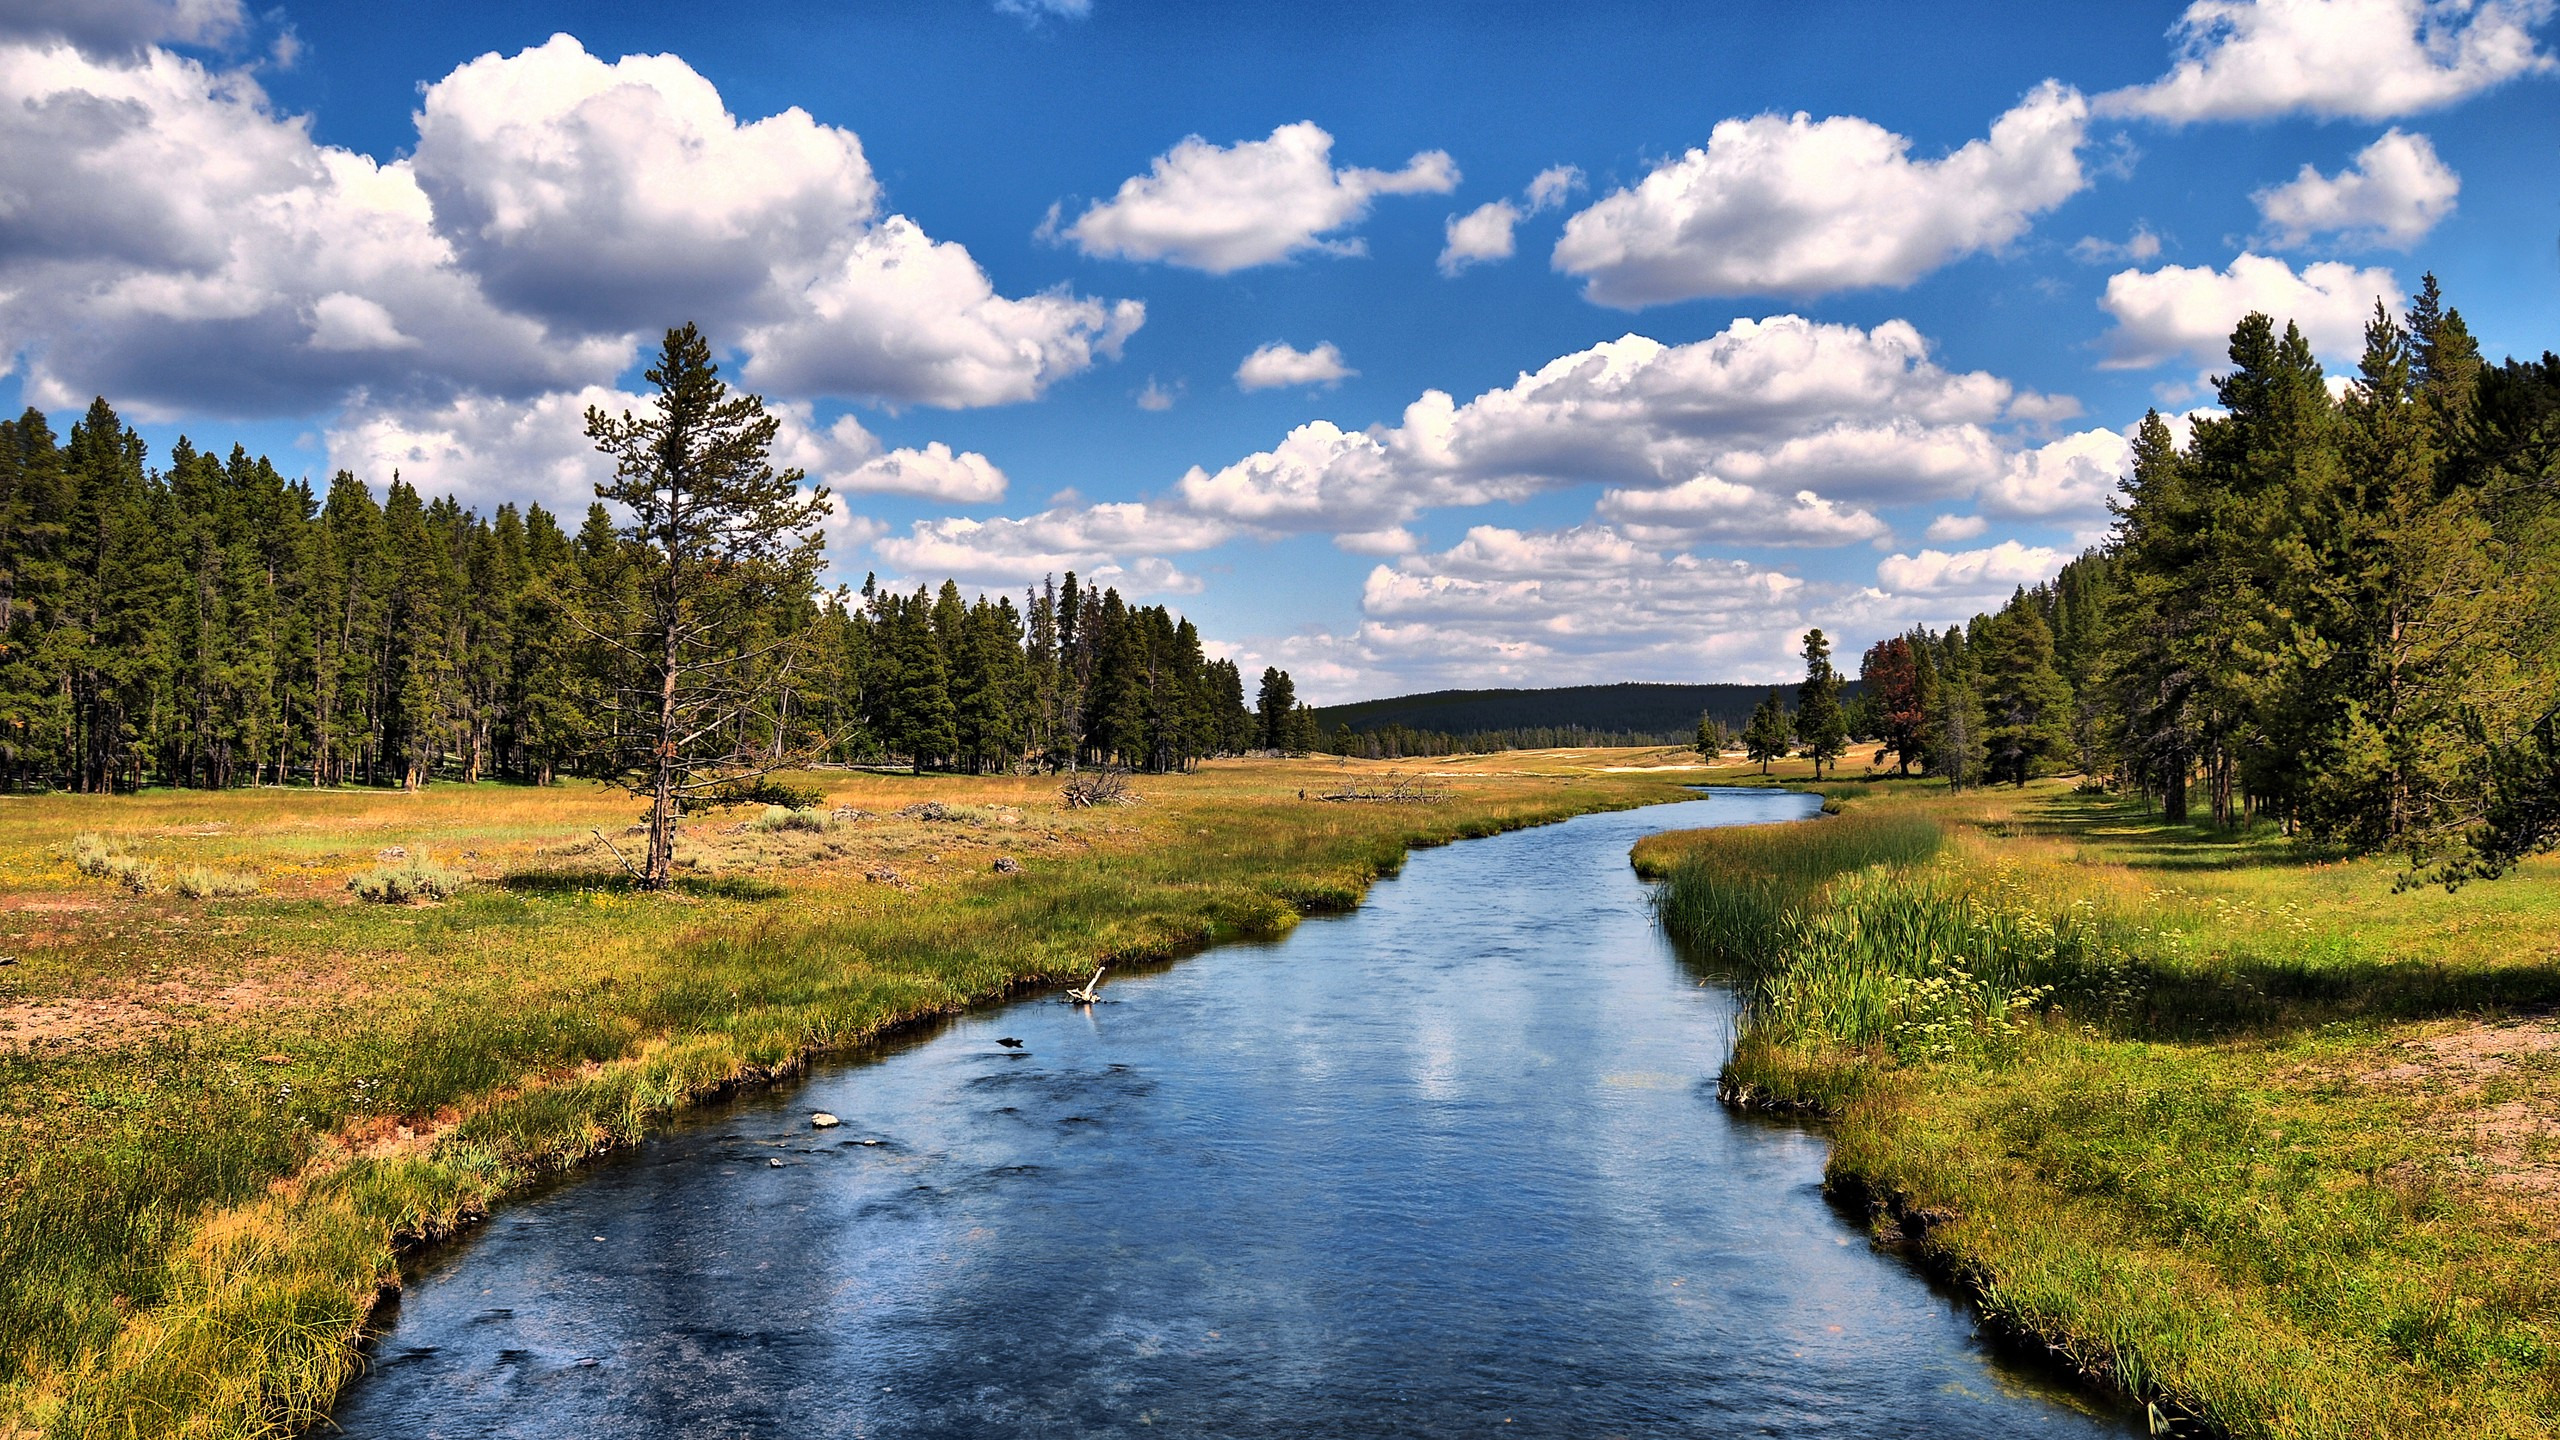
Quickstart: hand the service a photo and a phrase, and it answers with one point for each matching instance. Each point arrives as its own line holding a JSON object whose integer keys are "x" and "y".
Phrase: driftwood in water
{"x": 1091, "y": 990}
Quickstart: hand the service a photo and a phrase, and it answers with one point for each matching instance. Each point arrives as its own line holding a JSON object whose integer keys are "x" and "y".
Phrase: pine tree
{"x": 1277, "y": 699}
{"x": 716, "y": 536}
{"x": 1770, "y": 732}
{"x": 2025, "y": 704}
{"x": 1821, "y": 729}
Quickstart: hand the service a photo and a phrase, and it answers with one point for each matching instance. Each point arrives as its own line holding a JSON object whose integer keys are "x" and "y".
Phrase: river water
{"x": 1450, "y": 1164}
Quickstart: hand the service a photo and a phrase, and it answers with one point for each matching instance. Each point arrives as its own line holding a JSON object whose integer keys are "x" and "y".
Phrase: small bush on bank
{"x": 416, "y": 880}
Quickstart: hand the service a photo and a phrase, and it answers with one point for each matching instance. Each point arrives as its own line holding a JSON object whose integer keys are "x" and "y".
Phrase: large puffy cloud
{"x": 172, "y": 241}
{"x": 1223, "y": 208}
{"x": 1795, "y": 206}
{"x": 2189, "y": 311}
{"x": 114, "y": 27}
{"x": 905, "y": 317}
{"x": 2365, "y": 59}
{"x": 2073, "y": 477}
{"x": 1775, "y": 407}
{"x": 2394, "y": 193}
{"x": 623, "y": 196}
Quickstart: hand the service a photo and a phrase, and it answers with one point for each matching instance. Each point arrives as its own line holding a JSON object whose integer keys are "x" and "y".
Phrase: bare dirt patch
{"x": 2500, "y": 1085}
{"x": 147, "y": 1008}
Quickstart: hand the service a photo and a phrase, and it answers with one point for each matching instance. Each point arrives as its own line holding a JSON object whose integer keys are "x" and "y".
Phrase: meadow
{"x": 2220, "y": 1120}
{"x": 233, "y": 1091}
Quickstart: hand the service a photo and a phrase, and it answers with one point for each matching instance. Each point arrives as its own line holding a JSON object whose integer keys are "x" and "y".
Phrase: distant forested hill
{"x": 1667, "y": 713}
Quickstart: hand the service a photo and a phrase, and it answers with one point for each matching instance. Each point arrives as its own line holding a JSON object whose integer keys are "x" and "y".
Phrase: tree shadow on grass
{"x": 2138, "y": 837}
{"x": 2243, "y": 992}
{"x": 556, "y": 883}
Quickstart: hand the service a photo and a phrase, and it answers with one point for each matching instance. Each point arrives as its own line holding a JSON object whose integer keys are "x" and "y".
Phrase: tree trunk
{"x": 662, "y": 796}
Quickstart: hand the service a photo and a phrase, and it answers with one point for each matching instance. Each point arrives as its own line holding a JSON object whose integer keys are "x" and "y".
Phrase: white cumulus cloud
{"x": 171, "y": 240}
{"x": 109, "y": 28}
{"x": 1279, "y": 364}
{"x": 1708, "y": 507}
{"x": 1789, "y": 205}
{"x": 2189, "y": 311}
{"x": 1483, "y": 235}
{"x": 1223, "y": 208}
{"x": 1989, "y": 573}
{"x": 2359, "y": 59}
{"x": 934, "y": 472}
{"x": 1480, "y": 236}
{"x": 1776, "y": 407}
{"x": 2396, "y": 191}
{"x": 1116, "y": 543}
{"x": 622, "y": 196}
{"x": 2074, "y": 476}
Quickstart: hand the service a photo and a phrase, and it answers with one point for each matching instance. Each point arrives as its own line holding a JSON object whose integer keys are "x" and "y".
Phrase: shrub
{"x": 92, "y": 856}
{"x": 415, "y": 880}
{"x": 204, "y": 882}
{"x": 103, "y": 859}
{"x": 779, "y": 817}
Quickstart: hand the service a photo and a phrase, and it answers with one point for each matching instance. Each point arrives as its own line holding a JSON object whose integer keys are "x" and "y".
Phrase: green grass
{"x": 195, "y": 1213}
{"x": 2223, "y": 1122}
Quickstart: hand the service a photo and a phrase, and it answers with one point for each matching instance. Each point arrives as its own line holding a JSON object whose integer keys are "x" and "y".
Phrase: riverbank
{"x": 223, "y": 1117}
{"x": 2224, "y": 1123}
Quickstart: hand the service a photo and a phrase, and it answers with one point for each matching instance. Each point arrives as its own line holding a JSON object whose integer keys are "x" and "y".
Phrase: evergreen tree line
{"x": 1396, "y": 741}
{"x": 213, "y": 623}
{"x": 2336, "y": 611}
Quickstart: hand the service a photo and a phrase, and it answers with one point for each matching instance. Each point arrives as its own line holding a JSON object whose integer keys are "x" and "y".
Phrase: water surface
{"x": 1450, "y": 1164}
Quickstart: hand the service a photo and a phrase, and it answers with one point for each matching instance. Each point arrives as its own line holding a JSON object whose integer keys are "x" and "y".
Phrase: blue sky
{"x": 1898, "y": 277}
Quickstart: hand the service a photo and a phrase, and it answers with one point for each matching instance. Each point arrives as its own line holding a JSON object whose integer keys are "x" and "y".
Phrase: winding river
{"x": 1449, "y": 1164}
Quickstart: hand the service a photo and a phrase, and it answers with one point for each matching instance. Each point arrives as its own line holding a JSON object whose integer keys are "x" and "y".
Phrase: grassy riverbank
{"x": 219, "y": 1117}
{"x": 2226, "y": 1123}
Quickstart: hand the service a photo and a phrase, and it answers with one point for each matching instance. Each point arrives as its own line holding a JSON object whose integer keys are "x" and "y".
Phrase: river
{"x": 1449, "y": 1164}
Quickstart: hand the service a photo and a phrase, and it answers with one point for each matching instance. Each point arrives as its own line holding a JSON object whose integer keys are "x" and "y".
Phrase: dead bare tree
{"x": 705, "y": 615}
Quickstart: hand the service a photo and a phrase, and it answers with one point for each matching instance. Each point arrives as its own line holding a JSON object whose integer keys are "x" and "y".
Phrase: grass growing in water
{"x": 2226, "y": 1123}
